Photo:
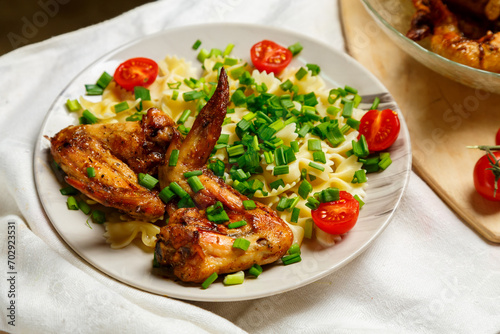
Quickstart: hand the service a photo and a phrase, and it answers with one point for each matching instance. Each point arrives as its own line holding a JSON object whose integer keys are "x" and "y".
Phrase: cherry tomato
{"x": 337, "y": 217}
{"x": 484, "y": 178}
{"x": 270, "y": 57}
{"x": 497, "y": 139}
{"x": 136, "y": 72}
{"x": 380, "y": 128}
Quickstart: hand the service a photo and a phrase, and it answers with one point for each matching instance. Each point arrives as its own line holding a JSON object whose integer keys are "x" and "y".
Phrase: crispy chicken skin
{"x": 117, "y": 152}
{"x": 191, "y": 246}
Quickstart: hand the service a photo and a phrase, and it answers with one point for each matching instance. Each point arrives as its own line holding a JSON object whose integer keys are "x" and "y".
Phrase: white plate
{"x": 132, "y": 265}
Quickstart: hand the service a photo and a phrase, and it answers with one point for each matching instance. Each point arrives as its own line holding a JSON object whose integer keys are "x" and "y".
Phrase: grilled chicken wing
{"x": 116, "y": 152}
{"x": 193, "y": 247}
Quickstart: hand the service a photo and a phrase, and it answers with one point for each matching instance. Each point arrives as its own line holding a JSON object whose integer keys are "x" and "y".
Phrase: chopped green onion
{"x": 230, "y": 61}
{"x": 193, "y": 95}
{"x": 235, "y": 150}
{"x": 174, "y": 156}
{"x": 319, "y": 156}
{"x": 89, "y": 117}
{"x": 353, "y": 123}
{"x": 122, "y": 106}
{"x": 287, "y": 85}
{"x": 301, "y": 73}
{"x": 217, "y": 66}
{"x": 348, "y": 109}
{"x": 310, "y": 99}
{"x": 184, "y": 116}
{"x": 361, "y": 203}
{"x": 196, "y": 44}
{"x": 215, "y": 52}
{"x": 69, "y": 190}
{"x": 209, "y": 280}
{"x": 360, "y": 147}
{"x": 186, "y": 202}
{"x": 228, "y": 49}
{"x": 295, "y": 215}
{"x": 217, "y": 167}
{"x": 312, "y": 203}
{"x": 216, "y": 214}
{"x": 359, "y": 176}
{"x": 71, "y": 202}
{"x": 276, "y": 184}
{"x": 331, "y": 110}
{"x": 289, "y": 259}
{"x": 238, "y": 98}
{"x": 104, "y": 80}
{"x": 295, "y": 48}
{"x": 195, "y": 183}
{"x": 385, "y": 162}
{"x": 315, "y": 69}
{"x": 305, "y": 189}
{"x": 241, "y": 243}
{"x": 304, "y": 130}
{"x": 294, "y": 249}
{"x": 82, "y": 205}
{"x": 98, "y": 217}
{"x": 357, "y": 100}
{"x": 237, "y": 224}
{"x": 147, "y": 181}
{"x": 233, "y": 279}
{"x": 177, "y": 189}
{"x": 351, "y": 90}
{"x": 90, "y": 171}
{"x": 249, "y": 204}
{"x": 329, "y": 195}
{"x": 255, "y": 270}
{"x": 187, "y": 175}
{"x": 315, "y": 165}
{"x": 202, "y": 55}
{"x": 295, "y": 146}
{"x": 281, "y": 170}
{"x": 166, "y": 194}
{"x": 93, "y": 90}
{"x": 314, "y": 145}
{"x": 142, "y": 93}
{"x": 73, "y": 105}
{"x": 375, "y": 104}
{"x": 175, "y": 95}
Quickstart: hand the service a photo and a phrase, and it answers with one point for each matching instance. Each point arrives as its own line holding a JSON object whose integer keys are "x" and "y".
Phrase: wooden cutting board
{"x": 443, "y": 117}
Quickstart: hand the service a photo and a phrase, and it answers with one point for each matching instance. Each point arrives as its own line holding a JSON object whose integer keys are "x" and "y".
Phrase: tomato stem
{"x": 486, "y": 147}
{"x": 494, "y": 162}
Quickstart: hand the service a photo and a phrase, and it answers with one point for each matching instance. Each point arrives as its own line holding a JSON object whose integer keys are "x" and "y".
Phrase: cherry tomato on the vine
{"x": 270, "y": 57}
{"x": 337, "y": 217}
{"x": 136, "y": 72}
{"x": 380, "y": 128}
{"x": 485, "y": 178}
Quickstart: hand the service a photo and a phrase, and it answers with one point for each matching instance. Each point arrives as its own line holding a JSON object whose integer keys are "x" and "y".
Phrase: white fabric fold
{"x": 427, "y": 273}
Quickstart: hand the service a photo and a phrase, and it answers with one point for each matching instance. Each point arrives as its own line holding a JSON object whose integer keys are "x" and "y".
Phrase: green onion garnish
{"x": 175, "y": 95}
{"x": 147, "y": 181}
{"x": 319, "y": 156}
{"x": 73, "y": 105}
{"x": 187, "y": 175}
{"x": 331, "y": 110}
{"x": 142, "y": 93}
{"x": 195, "y": 183}
{"x": 196, "y": 44}
{"x": 202, "y": 55}
{"x": 315, "y": 69}
{"x": 177, "y": 189}
{"x": 385, "y": 161}
{"x": 233, "y": 279}
{"x": 89, "y": 117}
{"x": 216, "y": 214}
{"x": 295, "y": 48}
{"x": 186, "y": 202}
{"x": 295, "y": 215}
{"x": 71, "y": 202}
{"x": 82, "y": 205}
{"x": 193, "y": 95}
{"x": 361, "y": 203}
{"x": 301, "y": 73}
{"x": 289, "y": 259}
{"x": 281, "y": 170}
{"x": 122, "y": 106}
{"x": 238, "y": 98}
{"x": 255, "y": 270}
{"x": 104, "y": 80}
{"x": 314, "y": 145}
{"x": 305, "y": 189}
{"x": 249, "y": 204}
{"x": 230, "y": 61}
{"x": 93, "y": 90}
{"x": 235, "y": 150}
{"x": 166, "y": 195}
{"x": 351, "y": 90}
{"x": 294, "y": 249}
{"x": 228, "y": 49}
{"x": 359, "y": 176}
{"x": 174, "y": 156}
{"x": 237, "y": 224}
{"x": 69, "y": 190}
{"x": 209, "y": 281}
{"x": 174, "y": 85}
{"x": 376, "y": 101}
{"x": 348, "y": 109}
{"x": 315, "y": 165}
{"x": 241, "y": 243}
{"x": 184, "y": 116}
{"x": 98, "y": 217}
{"x": 90, "y": 171}
{"x": 312, "y": 203}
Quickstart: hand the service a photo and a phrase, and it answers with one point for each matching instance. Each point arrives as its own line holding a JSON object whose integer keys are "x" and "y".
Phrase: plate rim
{"x": 219, "y": 25}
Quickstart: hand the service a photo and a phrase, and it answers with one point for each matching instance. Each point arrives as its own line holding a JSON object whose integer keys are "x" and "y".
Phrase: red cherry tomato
{"x": 337, "y": 217}
{"x": 497, "y": 139}
{"x": 380, "y": 128}
{"x": 484, "y": 178}
{"x": 136, "y": 72}
{"x": 270, "y": 57}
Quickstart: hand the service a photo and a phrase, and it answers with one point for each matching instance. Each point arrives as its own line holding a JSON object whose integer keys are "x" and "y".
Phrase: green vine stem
{"x": 494, "y": 162}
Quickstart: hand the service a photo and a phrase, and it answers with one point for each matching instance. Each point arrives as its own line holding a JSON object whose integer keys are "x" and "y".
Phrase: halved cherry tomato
{"x": 485, "y": 177}
{"x": 380, "y": 128}
{"x": 136, "y": 72}
{"x": 497, "y": 139}
{"x": 270, "y": 57}
{"x": 337, "y": 217}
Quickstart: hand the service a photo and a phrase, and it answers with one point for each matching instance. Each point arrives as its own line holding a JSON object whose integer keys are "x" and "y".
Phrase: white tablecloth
{"x": 427, "y": 273}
